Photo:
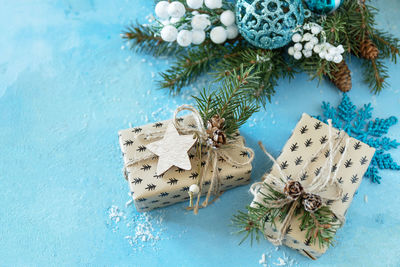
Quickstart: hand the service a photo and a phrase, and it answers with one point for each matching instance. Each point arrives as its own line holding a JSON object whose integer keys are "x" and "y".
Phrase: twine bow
{"x": 324, "y": 186}
{"x": 213, "y": 154}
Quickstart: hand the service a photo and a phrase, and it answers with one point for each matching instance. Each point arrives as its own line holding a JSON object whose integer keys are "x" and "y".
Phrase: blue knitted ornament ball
{"x": 323, "y": 7}
{"x": 268, "y": 24}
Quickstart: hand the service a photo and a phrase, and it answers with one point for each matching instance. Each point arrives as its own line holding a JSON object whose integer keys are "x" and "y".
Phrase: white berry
{"x": 184, "y": 38}
{"x": 296, "y": 37}
{"x": 200, "y": 22}
{"x": 291, "y": 51}
{"x": 198, "y": 37}
{"x": 314, "y": 40}
{"x": 218, "y": 35}
{"x": 162, "y": 9}
{"x": 309, "y": 46}
{"x": 232, "y": 32}
{"x": 337, "y": 59}
{"x": 174, "y": 20}
{"x": 298, "y": 47}
{"x": 307, "y": 53}
{"x": 169, "y": 33}
{"x": 297, "y": 55}
{"x": 194, "y": 188}
{"x": 176, "y": 9}
{"x": 317, "y": 49}
{"x": 322, "y": 54}
{"x": 332, "y": 50}
{"x": 329, "y": 57}
{"x": 340, "y": 49}
{"x": 213, "y": 4}
{"x": 227, "y": 18}
{"x": 195, "y": 4}
{"x": 315, "y": 29}
{"x": 307, "y": 36}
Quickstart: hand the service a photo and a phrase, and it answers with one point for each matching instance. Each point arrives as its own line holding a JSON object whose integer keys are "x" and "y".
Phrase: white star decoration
{"x": 172, "y": 150}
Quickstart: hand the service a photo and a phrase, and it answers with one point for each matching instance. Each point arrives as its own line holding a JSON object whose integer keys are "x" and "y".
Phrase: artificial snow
{"x": 139, "y": 229}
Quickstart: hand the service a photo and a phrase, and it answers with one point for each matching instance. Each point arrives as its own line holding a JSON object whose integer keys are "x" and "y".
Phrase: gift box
{"x": 150, "y": 191}
{"x": 308, "y": 145}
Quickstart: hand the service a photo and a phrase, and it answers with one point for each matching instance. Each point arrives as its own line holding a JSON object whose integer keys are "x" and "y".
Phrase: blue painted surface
{"x": 67, "y": 87}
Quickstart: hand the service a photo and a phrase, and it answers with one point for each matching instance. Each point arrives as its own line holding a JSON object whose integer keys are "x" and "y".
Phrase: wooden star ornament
{"x": 172, "y": 150}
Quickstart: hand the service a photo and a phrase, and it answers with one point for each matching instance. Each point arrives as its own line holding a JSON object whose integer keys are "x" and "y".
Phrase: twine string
{"x": 325, "y": 178}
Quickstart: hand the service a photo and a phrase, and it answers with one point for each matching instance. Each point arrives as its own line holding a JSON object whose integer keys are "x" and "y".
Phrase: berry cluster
{"x": 186, "y": 25}
{"x": 312, "y": 39}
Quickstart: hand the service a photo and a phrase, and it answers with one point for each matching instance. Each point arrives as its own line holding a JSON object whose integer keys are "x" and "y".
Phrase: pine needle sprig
{"x": 375, "y": 74}
{"x": 321, "y": 226}
{"x": 252, "y": 222}
{"x": 230, "y": 101}
{"x": 188, "y": 67}
{"x": 143, "y": 38}
{"x": 269, "y": 64}
{"x": 388, "y": 45}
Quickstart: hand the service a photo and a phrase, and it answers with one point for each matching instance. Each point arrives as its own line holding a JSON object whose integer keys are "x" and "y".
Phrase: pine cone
{"x": 293, "y": 190}
{"x": 342, "y": 77}
{"x": 311, "y": 202}
{"x": 368, "y": 49}
{"x": 216, "y": 135}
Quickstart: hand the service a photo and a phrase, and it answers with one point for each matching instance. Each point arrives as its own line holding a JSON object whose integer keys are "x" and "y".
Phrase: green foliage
{"x": 231, "y": 101}
{"x": 143, "y": 38}
{"x": 252, "y": 222}
{"x": 189, "y": 66}
{"x": 387, "y": 44}
{"x": 321, "y": 226}
{"x": 349, "y": 25}
{"x": 269, "y": 66}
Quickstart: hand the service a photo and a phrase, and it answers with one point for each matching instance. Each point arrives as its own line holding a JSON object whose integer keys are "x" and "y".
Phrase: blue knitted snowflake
{"x": 358, "y": 124}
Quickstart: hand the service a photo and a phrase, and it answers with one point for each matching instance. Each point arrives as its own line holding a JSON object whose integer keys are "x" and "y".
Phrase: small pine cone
{"x": 311, "y": 202}
{"x": 342, "y": 77}
{"x": 216, "y": 135}
{"x": 368, "y": 49}
{"x": 293, "y": 190}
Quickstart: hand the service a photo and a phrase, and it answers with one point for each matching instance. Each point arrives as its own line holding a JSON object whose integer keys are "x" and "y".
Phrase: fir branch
{"x": 230, "y": 101}
{"x": 375, "y": 74}
{"x": 388, "y": 45}
{"x": 187, "y": 68}
{"x": 321, "y": 226}
{"x": 269, "y": 64}
{"x": 143, "y": 38}
{"x": 252, "y": 222}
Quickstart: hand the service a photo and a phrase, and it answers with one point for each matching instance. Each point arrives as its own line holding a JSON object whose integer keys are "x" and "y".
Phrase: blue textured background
{"x": 66, "y": 88}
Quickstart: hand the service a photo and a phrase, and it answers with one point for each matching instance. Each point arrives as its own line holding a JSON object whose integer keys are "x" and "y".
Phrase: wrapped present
{"x": 304, "y": 198}
{"x": 214, "y": 168}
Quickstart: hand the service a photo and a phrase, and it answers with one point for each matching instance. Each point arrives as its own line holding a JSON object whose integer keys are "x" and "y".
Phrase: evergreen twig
{"x": 321, "y": 226}
{"x": 230, "y": 102}
{"x": 143, "y": 38}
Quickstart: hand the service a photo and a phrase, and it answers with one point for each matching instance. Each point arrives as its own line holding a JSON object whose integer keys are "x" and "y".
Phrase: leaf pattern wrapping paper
{"x": 150, "y": 191}
{"x": 307, "y": 138}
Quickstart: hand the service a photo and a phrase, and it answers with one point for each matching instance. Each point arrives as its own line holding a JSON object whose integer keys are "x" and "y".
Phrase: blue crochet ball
{"x": 323, "y": 7}
{"x": 268, "y": 24}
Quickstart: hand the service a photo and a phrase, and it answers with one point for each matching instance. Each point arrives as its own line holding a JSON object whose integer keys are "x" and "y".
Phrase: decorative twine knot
{"x": 312, "y": 195}
{"x": 216, "y": 147}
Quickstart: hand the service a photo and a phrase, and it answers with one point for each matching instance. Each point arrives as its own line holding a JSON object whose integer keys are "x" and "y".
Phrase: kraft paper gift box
{"x": 306, "y": 140}
{"x": 150, "y": 191}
